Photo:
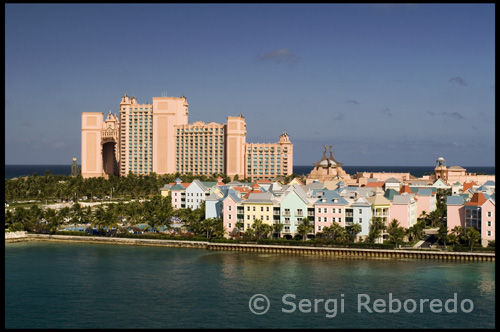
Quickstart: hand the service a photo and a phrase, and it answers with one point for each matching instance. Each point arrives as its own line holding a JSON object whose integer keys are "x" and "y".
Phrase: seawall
{"x": 258, "y": 248}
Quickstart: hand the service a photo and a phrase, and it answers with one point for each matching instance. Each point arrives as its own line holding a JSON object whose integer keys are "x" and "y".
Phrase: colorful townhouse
{"x": 426, "y": 201}
{"x": 381, "y": 207}
{"x": 329, "y": 208}
{"x": 232, "y": 211}
{"x": 294, "y": 206}
{"x": 404, "y": 210}
{"x": 258, "y": 206}
{"x": 359, "y": 212}
{"x": 480, "y": 214}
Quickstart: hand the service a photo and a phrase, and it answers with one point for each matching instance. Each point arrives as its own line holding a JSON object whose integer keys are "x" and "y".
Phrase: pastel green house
{"x": 295, "y": 206}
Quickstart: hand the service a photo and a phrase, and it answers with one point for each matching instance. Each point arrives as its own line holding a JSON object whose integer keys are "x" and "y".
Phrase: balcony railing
{"x": 299, "y": 214}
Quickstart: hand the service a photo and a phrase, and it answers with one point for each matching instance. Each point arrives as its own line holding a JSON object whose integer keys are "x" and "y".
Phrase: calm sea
{"x": 12, "y": 171}
{"x": 70, "y": 285}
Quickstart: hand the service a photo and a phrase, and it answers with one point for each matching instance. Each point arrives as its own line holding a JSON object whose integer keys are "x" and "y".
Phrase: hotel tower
{"x": 158, "y": 138}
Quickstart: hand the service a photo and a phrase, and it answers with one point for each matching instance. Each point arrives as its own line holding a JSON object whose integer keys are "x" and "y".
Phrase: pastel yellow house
{"x": 258, "y": 206}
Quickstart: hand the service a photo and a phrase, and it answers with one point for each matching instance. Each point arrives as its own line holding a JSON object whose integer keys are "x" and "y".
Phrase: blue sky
{"x": 384, "y": 84}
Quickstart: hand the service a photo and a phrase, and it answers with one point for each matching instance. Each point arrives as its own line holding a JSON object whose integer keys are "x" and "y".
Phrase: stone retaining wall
{"x": 277, "y": 249}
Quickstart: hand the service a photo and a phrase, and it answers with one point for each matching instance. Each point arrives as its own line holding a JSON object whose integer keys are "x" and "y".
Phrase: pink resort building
{"x": 158, "y": 138}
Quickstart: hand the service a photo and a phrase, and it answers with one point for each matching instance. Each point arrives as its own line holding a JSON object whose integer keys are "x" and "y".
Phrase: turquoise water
{"x": 71, "y": 285}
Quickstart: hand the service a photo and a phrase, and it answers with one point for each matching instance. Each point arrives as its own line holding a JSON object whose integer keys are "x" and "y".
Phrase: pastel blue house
{"x": 362, "y": 214}
{"x": 294, "y": 207}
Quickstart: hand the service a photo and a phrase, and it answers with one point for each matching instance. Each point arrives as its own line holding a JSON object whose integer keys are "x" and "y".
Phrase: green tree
{"x": 376, "y": 228}
{"x": 304, "y": 228}
{"x": 278, "y": 228}
{"x": 472, "y": 236}
{"x": 442, "y": 234}
{"x": 396, "y": 232}
{"x": 354, "y": 230}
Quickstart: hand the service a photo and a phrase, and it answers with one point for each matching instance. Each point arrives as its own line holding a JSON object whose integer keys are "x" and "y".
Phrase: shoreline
{"x": 259, "y": 248}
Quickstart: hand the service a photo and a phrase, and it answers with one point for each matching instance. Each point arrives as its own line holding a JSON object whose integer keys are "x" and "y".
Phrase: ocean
{"x": 73, "y": 285}
{"x": 12, "y": 171}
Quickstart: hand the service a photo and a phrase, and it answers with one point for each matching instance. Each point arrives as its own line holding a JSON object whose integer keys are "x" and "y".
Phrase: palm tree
{"x": 442, "y": 234}
{"x": 278, "y": 228}
{"x": 239, "y": 226}
{"x": 376, "y": 229}
{"x": 258, "y": 227}
{"x": 305, "y": 228}
{"x": 218, "y": 228}
{"x": 354, "y": 230}
{"x": 472, "y": 236}
{"x": 396, "y": 232}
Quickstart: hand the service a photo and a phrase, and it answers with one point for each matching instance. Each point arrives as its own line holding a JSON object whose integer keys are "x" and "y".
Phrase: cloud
{"x": 386, "y": 111}
{"x": 431, "y": 113}
{"x": 339, "y": 116}
{"x": 352, "y": 102}
{"x": 459, "y": 80}
{"x": 282, "y": 55}
{"x": 454, "y": 115}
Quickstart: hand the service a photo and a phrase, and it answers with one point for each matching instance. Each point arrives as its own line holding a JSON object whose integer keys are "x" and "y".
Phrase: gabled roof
{"x": 361, "y": 201}
{"x": 389, "y": 194}
{"x": 199, "y": 184}
{"x": 392, "y": 180}
{"x": 167, "y": 186}
{"x": 489, "y": 183}
{"x": 468, "y": 185}
{"x": 331, "y": 197}
{"x": 178, "y": 187}
{"x": 265, "y": 198}
{"x": 402, "y": 199}
{"x": 424, "y": 191}
{"x": 375, "y": 184}
{"x": 477, "y": 199}
{"x": 405, "y": 189}
{"x": 378, "y": 200}
{"x": 440, "y": 183}
{"x": 231, "y": 193}
{"x": 454, "y": 200}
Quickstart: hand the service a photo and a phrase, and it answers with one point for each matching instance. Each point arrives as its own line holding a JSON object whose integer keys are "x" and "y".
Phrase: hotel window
{"x": 489, "y": 233}
{"x": 489, "y": 223}
{"x": 360, "y": 220}
{"x": 325, "y": 210}
{"x": 229, "y": 217}
{"x": 319, "y": 228}
{"x": 489, "y": 213}
{"x": 340, "y": 220}
{"x": 229, "y": 225}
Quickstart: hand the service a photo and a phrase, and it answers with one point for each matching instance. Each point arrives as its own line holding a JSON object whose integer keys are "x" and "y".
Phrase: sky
{"x": 384, "y": 84}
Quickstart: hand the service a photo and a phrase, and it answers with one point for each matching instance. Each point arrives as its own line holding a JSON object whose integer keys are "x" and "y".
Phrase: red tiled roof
{"x": 242, "y": 189}
{"x": 185, "y": 185}
{"x": 374, "y": 184}
{"x": 468, "y": 185}
{"x": 405, "y": 189}
{"x": 477, "y": 199}
{"x": 255, "y": 185}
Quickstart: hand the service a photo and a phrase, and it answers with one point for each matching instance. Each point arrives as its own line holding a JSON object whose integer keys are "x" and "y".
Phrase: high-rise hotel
{"x": 158, "y": 138}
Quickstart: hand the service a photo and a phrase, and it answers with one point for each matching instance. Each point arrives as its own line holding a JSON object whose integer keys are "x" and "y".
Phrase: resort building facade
{"x": 157, "y": 138}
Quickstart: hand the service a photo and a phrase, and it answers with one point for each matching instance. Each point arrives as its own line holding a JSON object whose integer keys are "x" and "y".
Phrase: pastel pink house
{"x": 480, "y": 214}
{"x": 230, "y": 205}
{"x": 455, "y": 212}
{"x": 404, "y": 210}
{"x": 328, "y": 209}
{"x": 426, "y": 201}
